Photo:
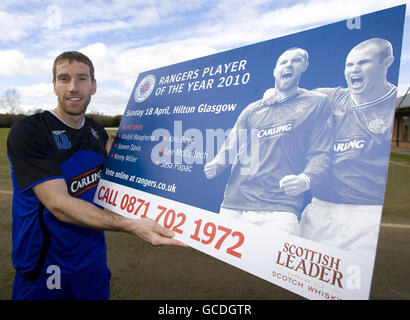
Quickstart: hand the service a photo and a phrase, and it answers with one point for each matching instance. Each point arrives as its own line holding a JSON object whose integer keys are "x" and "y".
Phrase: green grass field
{"x": 141, "y": 271}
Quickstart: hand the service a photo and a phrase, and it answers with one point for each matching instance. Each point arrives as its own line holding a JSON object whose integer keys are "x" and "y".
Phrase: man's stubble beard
{"x": 75, "y": 112}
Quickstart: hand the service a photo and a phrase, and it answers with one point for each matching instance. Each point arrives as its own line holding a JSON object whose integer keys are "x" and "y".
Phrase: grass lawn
{"x": 397, "y": 200}
{"x": 141, "y": 271}
{"x": 5, "y": 182}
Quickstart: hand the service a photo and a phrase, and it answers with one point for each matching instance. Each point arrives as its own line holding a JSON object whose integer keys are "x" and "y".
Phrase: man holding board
{"x": 56, "y": 162}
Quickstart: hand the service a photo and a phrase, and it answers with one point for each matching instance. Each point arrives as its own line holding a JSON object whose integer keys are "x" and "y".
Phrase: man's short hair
{"x": 384, "y": 49}
{"x": 71, "y": 56}
{"x": 301, "y": 51}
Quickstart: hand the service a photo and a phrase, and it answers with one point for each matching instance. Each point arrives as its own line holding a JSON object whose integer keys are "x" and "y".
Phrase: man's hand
{"x": 109, "y": 142}
{"x": 294, "y": 185}
{"x": 53, "y": 194}
{"x": 150, "y": 231}
{"x": 210, "y": 169}
{"x": 269, "y": 97}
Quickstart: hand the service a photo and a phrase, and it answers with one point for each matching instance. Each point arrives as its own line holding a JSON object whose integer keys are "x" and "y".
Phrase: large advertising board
{"x": 270, "y": 157}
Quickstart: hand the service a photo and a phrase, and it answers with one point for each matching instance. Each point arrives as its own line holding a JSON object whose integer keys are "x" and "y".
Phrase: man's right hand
{"x": 294, "y": 185}
{"x": 153, "y": 233}
{"x": 53, "y": 194}
{"x": 210, "y": 169}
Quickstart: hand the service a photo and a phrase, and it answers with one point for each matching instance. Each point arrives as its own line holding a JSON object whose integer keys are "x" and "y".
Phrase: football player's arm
{"x": 318, "y": 155}
{"x": 228, "y": 150}
{"x": 53, "y": 194}
{"x": 321, "y": 143}
{"x": 221, "y": 160}
{"x": 327, "y": 91}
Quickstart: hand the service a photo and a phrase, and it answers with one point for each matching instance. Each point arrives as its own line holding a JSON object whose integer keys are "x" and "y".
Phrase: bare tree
{"x": 11, "y": 100}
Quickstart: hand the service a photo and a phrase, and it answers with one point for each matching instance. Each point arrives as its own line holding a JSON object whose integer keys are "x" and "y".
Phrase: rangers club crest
{"x": 377, "y": 125}
{"x": 144, "y": 88}
{"x": 94, "y": 132}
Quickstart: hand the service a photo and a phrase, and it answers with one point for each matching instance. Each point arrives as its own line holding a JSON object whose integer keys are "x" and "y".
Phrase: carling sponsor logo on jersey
{"x": 276, "y": 130}
{"x": 85, "y": 181}
{"x": 355, "y": 144}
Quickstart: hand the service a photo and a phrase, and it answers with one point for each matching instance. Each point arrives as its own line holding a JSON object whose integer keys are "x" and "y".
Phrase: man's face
{"x": 288, "y": 70}
{"x": 363, "y": 70}
{"x": 73, "y": 87}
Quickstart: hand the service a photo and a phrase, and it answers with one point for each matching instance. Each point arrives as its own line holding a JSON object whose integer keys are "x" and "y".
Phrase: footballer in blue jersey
{"x": 361, "y": 148}
{"x": 57, "y": 158}
{"x": 289, "y": 140}
{"x": 363, "y": 116}
{"x": 52, "y": 149}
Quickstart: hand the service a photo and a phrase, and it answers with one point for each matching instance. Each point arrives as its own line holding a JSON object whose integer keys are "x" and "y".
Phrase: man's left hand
{"x": 294, "y": 185}
{"x": 110, "y": 142}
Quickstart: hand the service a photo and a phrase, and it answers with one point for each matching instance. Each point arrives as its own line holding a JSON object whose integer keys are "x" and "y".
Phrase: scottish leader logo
{"x": 144, "y": 88}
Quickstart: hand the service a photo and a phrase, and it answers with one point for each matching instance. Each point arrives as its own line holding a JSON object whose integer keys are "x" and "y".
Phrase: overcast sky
{"x": 124, "y": 37}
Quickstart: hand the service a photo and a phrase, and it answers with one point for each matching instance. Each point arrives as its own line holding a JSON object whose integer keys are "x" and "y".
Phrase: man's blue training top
{"x": 41, "y": 147}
